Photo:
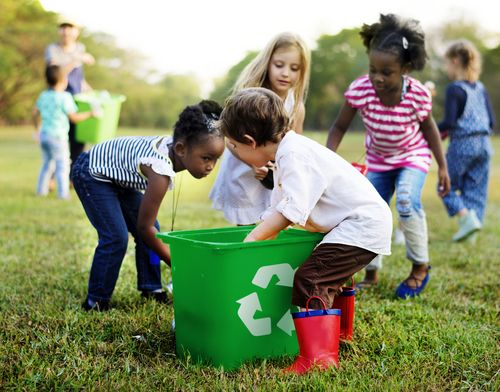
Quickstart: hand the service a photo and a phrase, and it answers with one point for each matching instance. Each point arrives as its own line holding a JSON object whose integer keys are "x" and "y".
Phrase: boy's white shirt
{"x": 317, "y": 189}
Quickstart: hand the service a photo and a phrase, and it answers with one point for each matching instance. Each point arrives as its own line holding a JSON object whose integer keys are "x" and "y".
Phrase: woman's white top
{"x": 236, "y": 192}
{"x": 317, "y": 189}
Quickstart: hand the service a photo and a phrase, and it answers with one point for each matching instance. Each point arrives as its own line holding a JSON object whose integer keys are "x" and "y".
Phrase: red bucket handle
{"x": 315, "y": 296}
{"x": 352, "y": 285}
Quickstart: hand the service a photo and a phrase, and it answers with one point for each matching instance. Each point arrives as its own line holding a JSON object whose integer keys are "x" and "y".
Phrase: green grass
{"x": 448, "y": 339}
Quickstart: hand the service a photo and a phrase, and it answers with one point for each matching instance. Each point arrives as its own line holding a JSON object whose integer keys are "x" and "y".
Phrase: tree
{"x": 25, "y": 27}
{"x": 491, "y": 77}
{"x": 336, "y": 62}
{"x": 224, "y": 86}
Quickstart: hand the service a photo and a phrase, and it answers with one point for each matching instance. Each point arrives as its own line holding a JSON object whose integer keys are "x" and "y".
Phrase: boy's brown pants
{"x": 324, "y": 272}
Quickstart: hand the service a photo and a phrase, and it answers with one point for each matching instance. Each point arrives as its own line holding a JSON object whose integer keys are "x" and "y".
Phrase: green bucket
{"x": 232, "y": 299}
{"x": 97, "y": 129}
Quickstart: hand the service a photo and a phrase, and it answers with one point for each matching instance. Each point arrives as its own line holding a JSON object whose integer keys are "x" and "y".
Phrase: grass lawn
{"x": 448, "y": 339}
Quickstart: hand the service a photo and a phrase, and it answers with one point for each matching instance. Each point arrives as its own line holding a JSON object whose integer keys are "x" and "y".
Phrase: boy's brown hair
{"x": 257, "y": 112}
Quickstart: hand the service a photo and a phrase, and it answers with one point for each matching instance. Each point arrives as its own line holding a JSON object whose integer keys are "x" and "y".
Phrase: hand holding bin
{"x": 345, "y": 302}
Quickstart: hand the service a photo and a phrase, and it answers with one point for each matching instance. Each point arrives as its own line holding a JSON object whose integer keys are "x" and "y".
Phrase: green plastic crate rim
{"x": 191, "y": 237}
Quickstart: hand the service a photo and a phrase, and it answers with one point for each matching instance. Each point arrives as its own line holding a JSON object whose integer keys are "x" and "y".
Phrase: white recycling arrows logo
{"x": 250, "y": 304}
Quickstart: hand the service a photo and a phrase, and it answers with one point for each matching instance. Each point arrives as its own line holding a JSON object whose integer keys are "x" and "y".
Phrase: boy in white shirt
{"x": 314, "y": 188}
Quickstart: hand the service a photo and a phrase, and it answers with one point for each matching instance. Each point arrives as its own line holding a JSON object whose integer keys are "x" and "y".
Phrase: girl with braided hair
{"x": 121, "y": 184}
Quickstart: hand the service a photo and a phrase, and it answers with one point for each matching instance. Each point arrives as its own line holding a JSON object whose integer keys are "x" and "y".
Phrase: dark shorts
{"x": 325, "y": 271}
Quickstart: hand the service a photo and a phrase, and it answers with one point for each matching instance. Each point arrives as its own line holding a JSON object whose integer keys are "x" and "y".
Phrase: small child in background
{"x": 315, "y": 189}
{"x": 468, "y": 121}
{"x": 400, "y": 135}
{"x": 121, "y": 184}
{"x": 240, "y": 190}
{"x": 55, "y": 107}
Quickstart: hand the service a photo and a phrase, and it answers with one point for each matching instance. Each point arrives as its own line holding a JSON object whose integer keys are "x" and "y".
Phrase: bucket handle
{"x": 319, "y": 298}
{"x": 352, "y": 284}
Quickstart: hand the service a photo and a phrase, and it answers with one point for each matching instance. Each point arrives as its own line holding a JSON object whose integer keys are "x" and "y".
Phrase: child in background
{"x": 55, "y": 107}
{"x": 109, "y": 180}
{"x": 71, "y": 55}
{"x": 283, "y": 67}
{"x": 468, "y": 121}
{"x": 400, "y": 135}
{"x": 313, "y": 188}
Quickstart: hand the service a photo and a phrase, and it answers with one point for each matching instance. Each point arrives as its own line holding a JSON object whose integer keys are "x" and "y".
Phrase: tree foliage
{"x": 224, "y": 86}
{"x": 23, "y": 34}
{"x": 155, "y": 100}
{"x": 25, "y": 31}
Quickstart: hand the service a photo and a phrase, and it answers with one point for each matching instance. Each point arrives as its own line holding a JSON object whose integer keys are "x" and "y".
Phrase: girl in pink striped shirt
{"x": 400, "y": 135}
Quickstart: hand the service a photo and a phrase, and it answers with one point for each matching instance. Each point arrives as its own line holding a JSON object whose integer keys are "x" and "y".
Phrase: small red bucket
{"x": 345, "y": 302}
{"x": 363, "y": 169}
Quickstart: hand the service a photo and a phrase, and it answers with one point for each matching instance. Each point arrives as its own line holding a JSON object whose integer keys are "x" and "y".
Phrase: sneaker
{"x": 160, "y": 297}
{"x": 404, "y": 291}
{"x": 468, "y": 224}
{"x": 98, "y": 306}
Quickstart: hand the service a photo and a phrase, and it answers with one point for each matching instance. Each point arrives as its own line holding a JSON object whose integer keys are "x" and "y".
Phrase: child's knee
{"x": 407, "y": 204}
{"x": 118, "y": 242}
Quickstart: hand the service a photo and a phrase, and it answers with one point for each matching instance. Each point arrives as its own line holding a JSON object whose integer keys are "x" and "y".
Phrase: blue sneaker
{"x": 404, "y": 291}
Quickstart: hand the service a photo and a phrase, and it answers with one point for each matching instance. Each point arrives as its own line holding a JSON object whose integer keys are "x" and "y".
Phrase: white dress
{"x": 236, "y": 192}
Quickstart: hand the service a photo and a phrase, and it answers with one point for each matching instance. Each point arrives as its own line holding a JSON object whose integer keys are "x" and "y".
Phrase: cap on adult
{"x": 65, "y": 21}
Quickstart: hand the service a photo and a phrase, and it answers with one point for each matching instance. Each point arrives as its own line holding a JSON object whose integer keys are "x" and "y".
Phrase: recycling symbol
{"x": 250, "y": 304}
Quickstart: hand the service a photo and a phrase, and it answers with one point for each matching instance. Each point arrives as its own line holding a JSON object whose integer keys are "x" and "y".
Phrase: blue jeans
{"x": 407, "y": 183}
{"x": 54, "y": 151}
{"x": 113, "y": 211}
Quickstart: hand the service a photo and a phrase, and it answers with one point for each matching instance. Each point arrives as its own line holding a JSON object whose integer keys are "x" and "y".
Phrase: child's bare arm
{"x": 80, "y": 116}
{"x": 340, "y": 126}
{"x": 431, "y": 134}
{"x": 269, "y": 228}
{"x": 35, "y": 114}
{"x": 298, "y": 123}
{"x": 148, "y": 211}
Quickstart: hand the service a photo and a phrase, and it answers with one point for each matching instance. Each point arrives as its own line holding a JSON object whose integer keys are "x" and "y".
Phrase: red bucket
{"x": 363, "y": 169}
{"x": 345, "y": 302}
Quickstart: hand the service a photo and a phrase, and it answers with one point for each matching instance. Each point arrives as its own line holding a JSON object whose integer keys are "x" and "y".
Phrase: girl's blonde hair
{"x": 255, "y": 73}
{"x": 469, "y": 58}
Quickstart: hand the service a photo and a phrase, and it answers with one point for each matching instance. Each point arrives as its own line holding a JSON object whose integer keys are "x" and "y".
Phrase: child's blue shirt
{"x": 54, "y": 107}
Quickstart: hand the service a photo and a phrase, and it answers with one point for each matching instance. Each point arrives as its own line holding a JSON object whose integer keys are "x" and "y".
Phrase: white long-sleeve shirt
{"x": 317, "y": 189}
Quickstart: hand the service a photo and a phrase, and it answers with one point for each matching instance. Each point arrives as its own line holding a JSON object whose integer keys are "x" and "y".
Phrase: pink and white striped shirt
{"x": 393, "y": 137}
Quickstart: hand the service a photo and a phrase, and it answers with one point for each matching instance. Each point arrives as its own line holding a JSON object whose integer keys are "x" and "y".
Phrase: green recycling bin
{"x": 232, "y": 299}
{"x": 97, "y": 129}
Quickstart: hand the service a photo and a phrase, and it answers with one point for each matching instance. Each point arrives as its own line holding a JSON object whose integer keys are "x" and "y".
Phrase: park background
{"x": 445, "y": 340}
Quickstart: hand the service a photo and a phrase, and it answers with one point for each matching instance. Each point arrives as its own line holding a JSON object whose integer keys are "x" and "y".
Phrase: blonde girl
{"x": 468, "y": 121}
{"x": 283, "y": 66}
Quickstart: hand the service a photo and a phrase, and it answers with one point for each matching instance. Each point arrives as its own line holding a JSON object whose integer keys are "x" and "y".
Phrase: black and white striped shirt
{"x": 118, "y": 160}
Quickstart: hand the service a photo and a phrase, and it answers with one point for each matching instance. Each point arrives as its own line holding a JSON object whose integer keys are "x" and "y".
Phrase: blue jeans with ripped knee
{"x": 407, "y": 183}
